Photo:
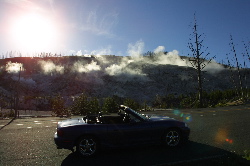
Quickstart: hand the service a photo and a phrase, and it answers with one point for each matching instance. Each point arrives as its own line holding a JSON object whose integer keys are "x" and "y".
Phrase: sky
{"x": 115, "y": 27}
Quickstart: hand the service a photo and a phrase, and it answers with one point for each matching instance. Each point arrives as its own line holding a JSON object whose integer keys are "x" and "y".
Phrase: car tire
{"x": 87, "y": 146}
{"x": 172, "y": 138}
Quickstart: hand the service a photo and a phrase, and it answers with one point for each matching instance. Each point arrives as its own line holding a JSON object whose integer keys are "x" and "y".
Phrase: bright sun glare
{"x": 34, "y": 32}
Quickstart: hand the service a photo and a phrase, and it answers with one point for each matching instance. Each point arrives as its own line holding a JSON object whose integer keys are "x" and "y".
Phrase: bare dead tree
{"x": 246, "y": 57}
{"x": 230, "y": 67}
{"x": 246, "y": 49}
{"x": 237, "y": 64}
{"x": 16, "y": 98}
{"x": 198, "y": 57}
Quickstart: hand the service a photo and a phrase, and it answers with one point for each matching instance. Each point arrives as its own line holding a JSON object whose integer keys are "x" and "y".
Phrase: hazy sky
{"x": 115, "y": 26}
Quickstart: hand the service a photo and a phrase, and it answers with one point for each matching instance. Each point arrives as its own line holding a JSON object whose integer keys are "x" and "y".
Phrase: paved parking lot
{"x": 214, "y": 134}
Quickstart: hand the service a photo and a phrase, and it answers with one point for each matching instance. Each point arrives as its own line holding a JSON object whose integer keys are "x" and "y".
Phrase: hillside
{"x": 140, "y": 78}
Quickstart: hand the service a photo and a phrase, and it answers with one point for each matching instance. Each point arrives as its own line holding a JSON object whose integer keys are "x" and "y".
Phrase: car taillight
{"x": 59, "y": 133}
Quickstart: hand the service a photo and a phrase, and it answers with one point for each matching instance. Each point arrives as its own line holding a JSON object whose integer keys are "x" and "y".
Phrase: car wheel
{"x": 172, "y": 138}
{"x": 87, "y": 146}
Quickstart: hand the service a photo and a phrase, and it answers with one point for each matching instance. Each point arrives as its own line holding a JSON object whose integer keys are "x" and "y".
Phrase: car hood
{"x": 159, "y": 118}
{"x": 71, "y": 122}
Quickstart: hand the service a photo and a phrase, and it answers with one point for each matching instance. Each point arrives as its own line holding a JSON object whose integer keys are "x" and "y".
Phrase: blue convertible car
{"x": 128, "y": 128}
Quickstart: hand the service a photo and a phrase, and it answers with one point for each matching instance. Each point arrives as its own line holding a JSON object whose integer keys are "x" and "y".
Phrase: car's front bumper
{"x": 63, "y": 143}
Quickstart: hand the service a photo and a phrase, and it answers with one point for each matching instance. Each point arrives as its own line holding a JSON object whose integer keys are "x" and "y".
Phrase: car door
{"x": 138, "y": 133}
{"x": 117, "y": 134}
{"x": 130, "y": 133}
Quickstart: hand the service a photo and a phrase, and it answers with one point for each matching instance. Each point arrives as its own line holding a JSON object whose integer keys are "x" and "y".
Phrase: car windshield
{"x": 138, "y": 114}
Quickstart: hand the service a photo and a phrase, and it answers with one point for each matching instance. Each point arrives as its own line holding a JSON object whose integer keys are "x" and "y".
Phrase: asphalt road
{"x": 215, "y": 133}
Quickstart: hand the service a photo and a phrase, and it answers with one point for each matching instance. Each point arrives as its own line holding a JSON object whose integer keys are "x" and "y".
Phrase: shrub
{"x": 81, "y": 105}
{"x": 132, "y": 104}
{"x": 57, "y": 105}
{"x": 110, "y": 105}
{"x": 93, "y": 105}
{"x": 11, "y": 114}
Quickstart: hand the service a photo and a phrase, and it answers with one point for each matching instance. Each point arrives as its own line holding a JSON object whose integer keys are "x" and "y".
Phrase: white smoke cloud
{"x": 159, "y": 49}
{"x": 79, "y": 67}
{"x": 213, "y": 67}
{"x": 171, "y": 58}
{"x": 87, "y": 53}
{"x": 136, "y": 50}
{"x": 49, "y": 67}
{"x": 117, "y": 69}
{"x": 70, "y": 52}
{"x": 126, "y": 66}
{"x": 103, "y": 51}
{"x": 79, "y": 53}
{"x": 13, "y": 67}
{"x": 126, "y": 70}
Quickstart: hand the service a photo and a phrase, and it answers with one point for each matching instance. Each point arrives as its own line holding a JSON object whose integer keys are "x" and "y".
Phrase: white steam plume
{"x": 79, "y": 67}
{"x": 136, "y": 50}
{"x": 49, "y": 67}
{"x": 171, "y": 58}
{"x": 79, "y": 53}
{"x": 13, "y": 67}
{"x": 159, "y": 50}
{"x": 213, "y": 67}
{"x": 103, "y": 51}
{"x": 117, "y": 69}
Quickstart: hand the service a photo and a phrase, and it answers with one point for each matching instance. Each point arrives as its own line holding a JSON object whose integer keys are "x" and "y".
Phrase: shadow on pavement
{"x": 192, "y": 153}
{"x": 7, "y": 123}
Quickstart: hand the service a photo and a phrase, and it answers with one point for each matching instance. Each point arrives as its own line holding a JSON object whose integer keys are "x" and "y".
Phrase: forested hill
{"x": 141, "y": 78}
